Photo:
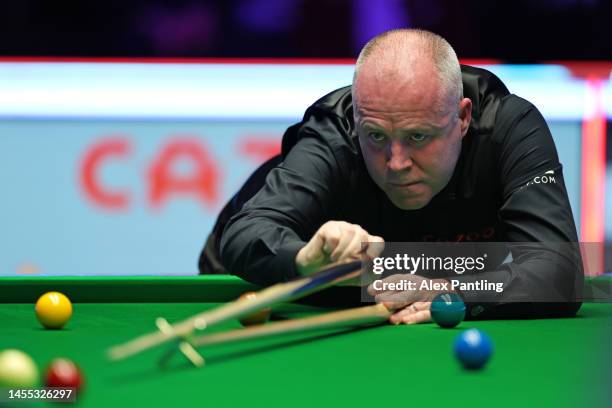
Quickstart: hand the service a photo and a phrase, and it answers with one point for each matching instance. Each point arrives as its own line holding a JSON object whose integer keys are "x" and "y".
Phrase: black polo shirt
{"x": 493, "y": 195}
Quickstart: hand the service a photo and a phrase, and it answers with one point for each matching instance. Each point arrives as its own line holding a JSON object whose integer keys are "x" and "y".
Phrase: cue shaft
{"x": 281, "y": 292}
{"x": 351, "y": 317}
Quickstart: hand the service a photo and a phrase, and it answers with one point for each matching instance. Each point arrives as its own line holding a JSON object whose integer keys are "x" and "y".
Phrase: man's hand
{"x": 412, "y": 306}
{"x": 337, "y": 241}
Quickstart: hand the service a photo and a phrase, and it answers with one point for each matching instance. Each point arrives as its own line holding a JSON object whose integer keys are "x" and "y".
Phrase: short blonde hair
{"x": 401, "y": 41}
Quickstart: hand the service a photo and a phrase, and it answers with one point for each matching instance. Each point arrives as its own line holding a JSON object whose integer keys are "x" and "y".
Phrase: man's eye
{"x": 418, "y": 137}
{"x": 377, "y": 137}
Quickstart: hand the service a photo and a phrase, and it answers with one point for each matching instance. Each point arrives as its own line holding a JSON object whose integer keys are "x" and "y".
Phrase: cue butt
{"x": 281, "y": 292}
{"x": 351, "y": 317}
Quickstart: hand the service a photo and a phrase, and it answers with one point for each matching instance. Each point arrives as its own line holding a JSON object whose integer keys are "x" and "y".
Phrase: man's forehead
{"x": 404, "y": 92}
{"x": 409, "y": 97}
{"x": 432, "y": 108}
{"x": 430, "y": 123}
{"x": 381, "y": 77}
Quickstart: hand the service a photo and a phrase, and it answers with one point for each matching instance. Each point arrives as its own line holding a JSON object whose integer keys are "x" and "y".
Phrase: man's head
{"x": 410, "y": 114}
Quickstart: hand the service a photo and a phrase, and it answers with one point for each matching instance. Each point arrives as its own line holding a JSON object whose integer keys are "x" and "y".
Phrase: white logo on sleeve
{"x": 547, "y": 178}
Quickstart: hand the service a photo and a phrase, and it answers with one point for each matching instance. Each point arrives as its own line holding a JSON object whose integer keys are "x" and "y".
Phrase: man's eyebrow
{"x": 429, "y": 127}
{"x": 424, "y": 128}
{"x": 415, "y": 128}
{"x": 370, "y": 125}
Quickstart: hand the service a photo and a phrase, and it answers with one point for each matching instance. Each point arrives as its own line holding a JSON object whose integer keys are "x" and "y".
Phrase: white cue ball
{"x": 17, "y": 369}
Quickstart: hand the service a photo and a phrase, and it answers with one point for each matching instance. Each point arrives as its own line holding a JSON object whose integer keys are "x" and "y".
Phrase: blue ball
{"x": 473, "y": 348}
{"x": 447, "y": 310}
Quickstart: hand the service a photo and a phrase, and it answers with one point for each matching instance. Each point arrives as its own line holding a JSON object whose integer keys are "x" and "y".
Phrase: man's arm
{"x": 535, "y": 214}
{"x": 293, "y": 224}
{"x": 260, "y": 243}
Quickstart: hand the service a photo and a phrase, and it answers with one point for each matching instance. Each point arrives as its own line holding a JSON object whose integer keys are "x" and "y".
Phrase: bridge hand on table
{"x": 411, "y": 306}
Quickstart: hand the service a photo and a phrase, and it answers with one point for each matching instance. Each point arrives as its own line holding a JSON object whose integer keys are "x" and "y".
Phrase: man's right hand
{"x": 337, "y": 241}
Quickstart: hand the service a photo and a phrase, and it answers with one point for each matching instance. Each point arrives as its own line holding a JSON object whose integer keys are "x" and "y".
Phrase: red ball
{"x": 63, "y": 373}
{"x": 258, "y": 317}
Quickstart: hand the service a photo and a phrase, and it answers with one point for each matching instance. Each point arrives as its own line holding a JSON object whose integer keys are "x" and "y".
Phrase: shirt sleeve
{"x": 546, "y": 267}
{"x": 261, "y": 241}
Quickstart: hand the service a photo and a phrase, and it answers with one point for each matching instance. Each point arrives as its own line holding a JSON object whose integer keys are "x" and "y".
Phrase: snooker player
{"x": 418, "y": 149}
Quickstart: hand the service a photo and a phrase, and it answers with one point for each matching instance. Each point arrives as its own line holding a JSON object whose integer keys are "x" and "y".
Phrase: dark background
{"x": 519, "y": 31}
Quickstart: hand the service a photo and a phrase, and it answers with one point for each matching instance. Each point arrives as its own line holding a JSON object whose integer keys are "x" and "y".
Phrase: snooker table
{"x": 548, "y": 362}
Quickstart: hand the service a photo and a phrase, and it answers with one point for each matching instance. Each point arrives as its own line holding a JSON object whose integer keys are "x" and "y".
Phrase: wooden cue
{"x": 351, "y": 317}
{"x": 281, "y": 292}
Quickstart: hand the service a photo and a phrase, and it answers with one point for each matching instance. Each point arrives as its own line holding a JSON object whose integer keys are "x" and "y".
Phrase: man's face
{"x": 410, "y": 141}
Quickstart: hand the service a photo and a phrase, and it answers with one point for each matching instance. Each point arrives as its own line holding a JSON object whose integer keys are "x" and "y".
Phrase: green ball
{"x": 448, "y": 310}
{"x": 17, "y": 370}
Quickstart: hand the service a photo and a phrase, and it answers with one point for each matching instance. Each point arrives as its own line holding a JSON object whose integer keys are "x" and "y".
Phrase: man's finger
{"x": 375, "y": 246}
{"x": 417, "y": 312}
{"x": 422, "y": 316}
{"x": 354, "y": 248}
{"x": 332, "y": 235}
{"x": 398, "y": 317}
{"x": 313, "y": 251}
{"x": 406, "y": 310}
{"x": 343, "y": 241}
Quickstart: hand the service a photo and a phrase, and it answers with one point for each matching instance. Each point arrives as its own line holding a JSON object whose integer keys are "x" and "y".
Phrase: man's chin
{"x": 409, "y": 204}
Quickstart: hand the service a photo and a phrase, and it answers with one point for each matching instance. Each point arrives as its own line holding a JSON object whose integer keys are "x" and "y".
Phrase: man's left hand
{"x": 411, "y": 306}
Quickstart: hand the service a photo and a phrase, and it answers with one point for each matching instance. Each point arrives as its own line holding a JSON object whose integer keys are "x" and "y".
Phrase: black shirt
{"x": 491, "y": 196}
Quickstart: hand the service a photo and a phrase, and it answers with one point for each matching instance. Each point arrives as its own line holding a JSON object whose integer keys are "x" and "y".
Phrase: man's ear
{"x": 465, "y": 115}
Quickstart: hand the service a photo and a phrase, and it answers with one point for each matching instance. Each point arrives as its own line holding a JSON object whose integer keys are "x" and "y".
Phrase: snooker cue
{"x": 350, "y": 317}
{"x": 281, "y": 292}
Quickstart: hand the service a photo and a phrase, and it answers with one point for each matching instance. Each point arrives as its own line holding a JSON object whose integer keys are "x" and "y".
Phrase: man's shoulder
{"x": 338, "y": 102}
{"x": 329, "y": 120}
{"x": 497, "y": 122}
{"x": 513, "y": 105}
{"x": 486, "y": 91}
{"x": 513, "y": 109}
{"x": 482, "y": 79}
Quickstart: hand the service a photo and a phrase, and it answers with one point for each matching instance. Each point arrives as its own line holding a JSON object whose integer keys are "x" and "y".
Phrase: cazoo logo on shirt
{"x": 547, "y": 178}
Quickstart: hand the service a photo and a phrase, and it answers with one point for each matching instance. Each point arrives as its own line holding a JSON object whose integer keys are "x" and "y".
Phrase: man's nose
{"x": 399, "y": 157}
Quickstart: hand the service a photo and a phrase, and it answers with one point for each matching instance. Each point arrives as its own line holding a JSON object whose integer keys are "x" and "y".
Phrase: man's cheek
{"x": 375, "y": 166}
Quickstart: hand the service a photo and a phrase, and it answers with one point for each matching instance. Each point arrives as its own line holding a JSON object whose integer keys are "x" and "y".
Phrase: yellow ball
{"x": 53, "y": 310}
{"x": 17, "y": 370}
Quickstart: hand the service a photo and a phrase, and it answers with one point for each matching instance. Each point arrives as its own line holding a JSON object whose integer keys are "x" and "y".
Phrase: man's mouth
{"x": 403, "y": 183}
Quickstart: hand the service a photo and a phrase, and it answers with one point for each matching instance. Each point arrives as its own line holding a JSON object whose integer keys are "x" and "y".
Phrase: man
{"x": 417, "y": 149}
